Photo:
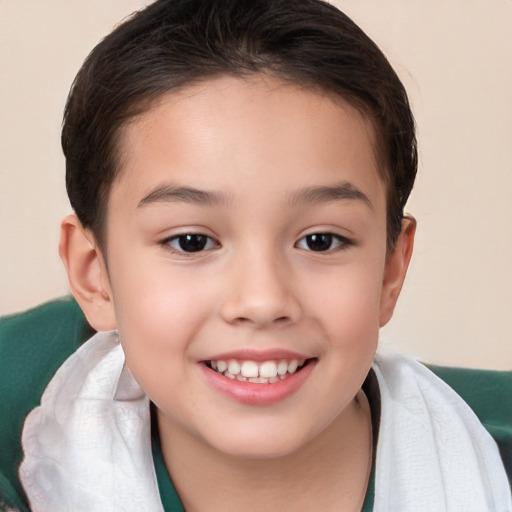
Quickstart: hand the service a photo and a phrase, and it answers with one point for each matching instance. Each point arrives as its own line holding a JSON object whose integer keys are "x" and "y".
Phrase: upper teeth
{"x": 253, "y": 369}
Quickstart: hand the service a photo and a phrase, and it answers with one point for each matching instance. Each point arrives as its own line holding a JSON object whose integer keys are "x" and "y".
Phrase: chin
{"x": 260, "y": 451}
{"x": 259, "y": 444}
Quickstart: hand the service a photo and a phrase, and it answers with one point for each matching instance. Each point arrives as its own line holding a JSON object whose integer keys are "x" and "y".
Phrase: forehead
{"x": 228, "y": 133}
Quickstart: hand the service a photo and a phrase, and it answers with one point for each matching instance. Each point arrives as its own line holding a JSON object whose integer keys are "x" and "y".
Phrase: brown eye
{"x": 322, "y": 242}
{"x": 319, "y": 242}
{"x": 191, "y": 242}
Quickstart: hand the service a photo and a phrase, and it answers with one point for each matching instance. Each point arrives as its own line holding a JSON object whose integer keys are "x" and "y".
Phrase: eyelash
{"x": 325, "y": 238}
{"x": 194, "y": 239}
{"x": 204, "y": 242}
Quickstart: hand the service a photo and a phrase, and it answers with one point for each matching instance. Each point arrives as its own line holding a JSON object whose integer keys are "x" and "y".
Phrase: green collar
{"x": 170, "y": 499}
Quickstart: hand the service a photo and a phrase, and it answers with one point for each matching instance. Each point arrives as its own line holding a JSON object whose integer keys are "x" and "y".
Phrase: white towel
{"x": 433, "y": 453}
{"x": 87, "y": 447}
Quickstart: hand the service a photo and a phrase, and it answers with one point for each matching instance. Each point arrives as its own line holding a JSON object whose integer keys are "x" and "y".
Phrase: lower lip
{"x": 257, "y": 394}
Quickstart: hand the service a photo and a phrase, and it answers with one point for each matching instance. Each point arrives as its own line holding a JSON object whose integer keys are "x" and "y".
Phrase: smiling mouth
{"x": 264, "y": 372}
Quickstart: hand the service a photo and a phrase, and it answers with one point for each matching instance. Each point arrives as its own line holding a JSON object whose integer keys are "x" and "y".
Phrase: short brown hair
{"x": 175, "y": 43}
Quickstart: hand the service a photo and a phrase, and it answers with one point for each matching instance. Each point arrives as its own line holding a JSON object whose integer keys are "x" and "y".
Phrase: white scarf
{"x": 88, "y": 445}
{"x": 433, "y": 454}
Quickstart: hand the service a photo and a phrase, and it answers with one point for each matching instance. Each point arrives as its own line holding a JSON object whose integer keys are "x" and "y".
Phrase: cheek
{"x": 348, "y": 301}
{"x": 350, "y": 316}
{"x": 152, "y": 294}
{"x": 158, "y": 313}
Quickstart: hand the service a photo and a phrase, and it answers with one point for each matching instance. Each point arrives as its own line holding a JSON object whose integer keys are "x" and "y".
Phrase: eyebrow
{"x": 172, "y": 193}
{"x": 311, "y": 195}
{"x": 324, "y": 194}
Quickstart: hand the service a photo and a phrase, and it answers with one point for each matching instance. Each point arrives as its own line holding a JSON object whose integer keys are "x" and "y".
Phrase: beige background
{"x": 454, "y": 57}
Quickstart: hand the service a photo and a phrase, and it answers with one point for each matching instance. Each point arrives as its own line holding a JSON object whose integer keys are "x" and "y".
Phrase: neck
{"x": 334, "y": 467}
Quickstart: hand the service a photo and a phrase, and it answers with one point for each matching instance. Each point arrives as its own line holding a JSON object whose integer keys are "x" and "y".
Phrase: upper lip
{"x": 258, "y": 355}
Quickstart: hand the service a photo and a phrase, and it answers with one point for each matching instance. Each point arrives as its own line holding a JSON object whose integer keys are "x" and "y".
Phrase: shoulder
{"x": 33, "y": 344}
{"x": 489, "y": 394}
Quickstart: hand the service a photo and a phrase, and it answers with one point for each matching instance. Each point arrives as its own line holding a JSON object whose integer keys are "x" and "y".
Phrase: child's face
{"x": 278, "y": 190}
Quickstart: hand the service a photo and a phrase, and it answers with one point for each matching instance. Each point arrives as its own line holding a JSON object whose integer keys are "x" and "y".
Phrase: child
{"x": 239, "y": 171}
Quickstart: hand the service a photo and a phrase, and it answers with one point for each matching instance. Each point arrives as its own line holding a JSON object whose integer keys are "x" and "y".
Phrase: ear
{"x": 87, "y": 274}
{"x": 395, "y": 269}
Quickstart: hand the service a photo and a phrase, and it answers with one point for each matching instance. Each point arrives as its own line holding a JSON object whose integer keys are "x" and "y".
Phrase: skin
{"x": 256, "y": 146}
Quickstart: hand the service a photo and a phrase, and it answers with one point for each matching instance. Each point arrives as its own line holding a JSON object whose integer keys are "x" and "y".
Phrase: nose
{"x": 260, "y": 292}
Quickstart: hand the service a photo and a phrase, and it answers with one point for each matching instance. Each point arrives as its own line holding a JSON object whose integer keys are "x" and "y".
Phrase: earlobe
{"x": 87, "y": 274}
{"x": 395, "y": 269}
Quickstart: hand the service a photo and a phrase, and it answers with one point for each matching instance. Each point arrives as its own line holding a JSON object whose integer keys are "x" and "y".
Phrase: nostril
{"x": 282, "y": 320}
{"x": 242, "y": 320}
